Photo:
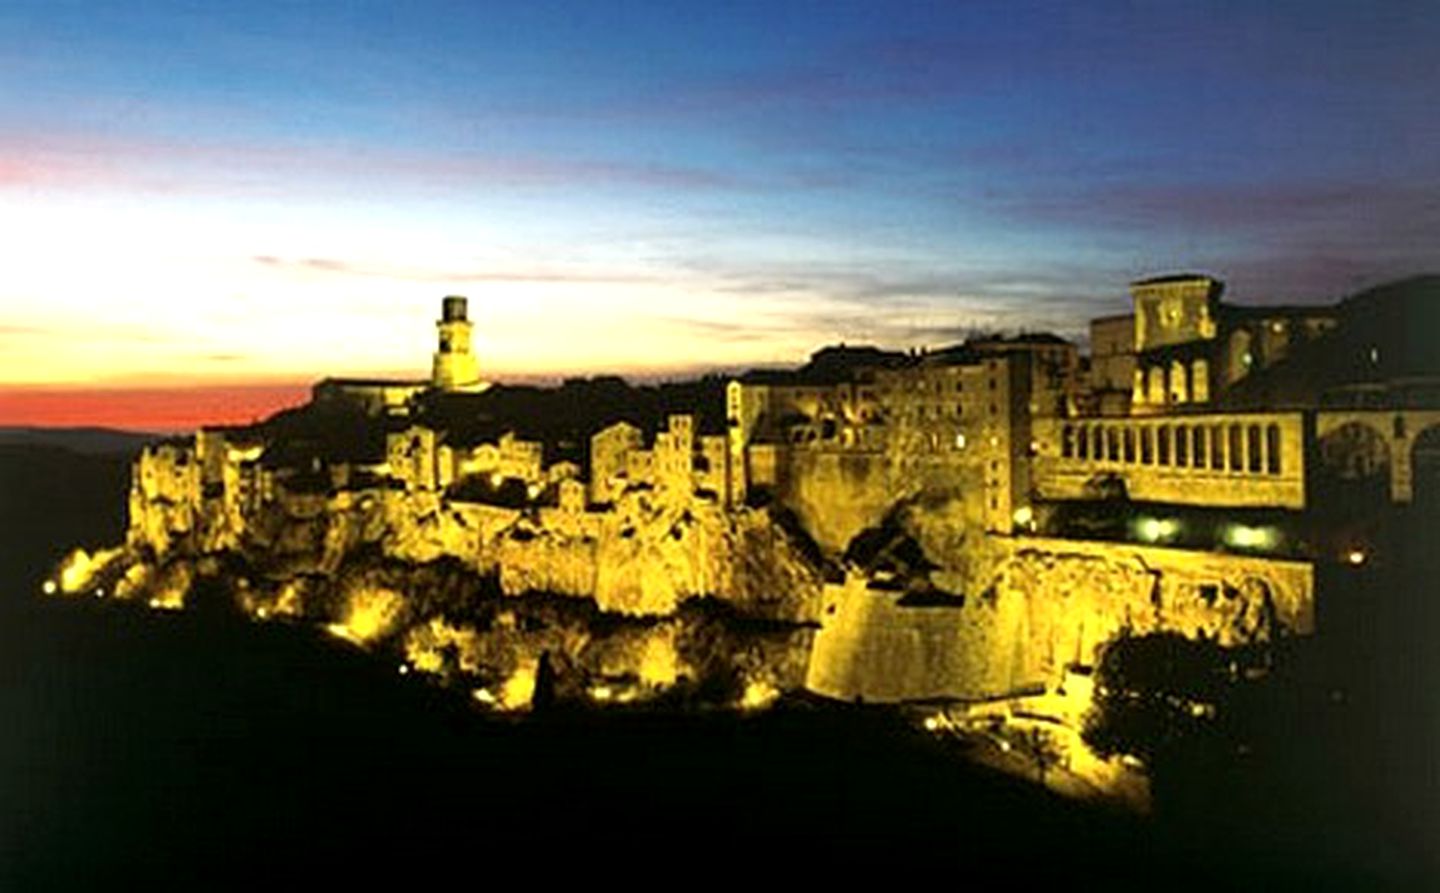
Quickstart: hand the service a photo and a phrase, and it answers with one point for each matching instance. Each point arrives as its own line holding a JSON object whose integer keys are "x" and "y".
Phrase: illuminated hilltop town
{"x": 971, "y": 526}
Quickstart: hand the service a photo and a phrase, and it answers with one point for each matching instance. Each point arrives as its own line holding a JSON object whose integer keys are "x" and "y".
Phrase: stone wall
{"x": 1049, "y": 604}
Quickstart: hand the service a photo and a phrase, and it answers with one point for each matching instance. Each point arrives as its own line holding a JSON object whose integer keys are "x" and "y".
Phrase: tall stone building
{"x": 455, "y": 367}
{"x": 1112, "y": 364}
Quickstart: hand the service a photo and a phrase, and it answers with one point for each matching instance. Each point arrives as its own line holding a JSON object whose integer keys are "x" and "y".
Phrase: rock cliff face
{"x": 653, "y": 594}
{"x": 1036, "y": 607}
{"x": 641, "y": 557}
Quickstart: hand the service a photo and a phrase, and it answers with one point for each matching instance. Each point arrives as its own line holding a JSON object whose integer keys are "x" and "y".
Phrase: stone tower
{"x": 455, "y": 367}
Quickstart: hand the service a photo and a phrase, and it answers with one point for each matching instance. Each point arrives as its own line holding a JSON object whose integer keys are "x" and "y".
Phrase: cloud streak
{"x": 332, "y": 266}
{"x": 159, "y": 165}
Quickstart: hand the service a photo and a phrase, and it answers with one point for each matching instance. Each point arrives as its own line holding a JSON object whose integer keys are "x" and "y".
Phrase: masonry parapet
{"x": 1236, "y": 460}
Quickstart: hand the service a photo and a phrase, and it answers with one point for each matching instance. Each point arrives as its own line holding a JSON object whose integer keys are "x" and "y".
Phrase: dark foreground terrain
{"x": 187, "y": 745}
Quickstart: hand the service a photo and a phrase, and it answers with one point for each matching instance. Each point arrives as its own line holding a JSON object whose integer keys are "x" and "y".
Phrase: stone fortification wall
{"x": 1049, "y": 604}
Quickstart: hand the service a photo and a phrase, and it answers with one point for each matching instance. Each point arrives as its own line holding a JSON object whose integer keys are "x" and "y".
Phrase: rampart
{"x": 1049, "y": 605}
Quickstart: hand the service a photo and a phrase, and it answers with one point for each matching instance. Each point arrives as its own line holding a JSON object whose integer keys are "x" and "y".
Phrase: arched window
{"x": 1272, "y": 448}
{"x": 1157, "y": 385}
{"x": 1200, "y": 381}
{"x": 1179, "y": 392}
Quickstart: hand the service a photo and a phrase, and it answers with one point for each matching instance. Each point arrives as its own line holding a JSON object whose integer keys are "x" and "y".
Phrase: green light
{"x": 1153, "y": 530}
{"x": 1243, "y": 537}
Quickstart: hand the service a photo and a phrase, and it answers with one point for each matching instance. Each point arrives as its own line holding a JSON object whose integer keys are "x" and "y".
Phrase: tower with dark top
{"x": 455, "y": 367}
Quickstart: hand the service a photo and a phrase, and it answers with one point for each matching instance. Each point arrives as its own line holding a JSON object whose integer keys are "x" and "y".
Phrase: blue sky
{"x": 266, "y": 191}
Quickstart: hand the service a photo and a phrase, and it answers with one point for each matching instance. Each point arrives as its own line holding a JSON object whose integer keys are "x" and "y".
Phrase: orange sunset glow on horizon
{"x": 158, "y": 410}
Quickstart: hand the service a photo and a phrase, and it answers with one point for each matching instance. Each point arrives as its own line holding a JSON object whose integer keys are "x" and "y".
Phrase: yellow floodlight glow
{"x": 1355, "y": 557}
{"x": 758, "y": 695}
{"x": 49, "y": 587}
{"x": 1024, "y": 516}
{"x": 659, "y": 663}
{"x": 519, "y": 690}
{"x": 370, "y": 613}
{"x": 170, "y": 599}
{"x": 341, "y": 631}
{"x": 80, "y": 568}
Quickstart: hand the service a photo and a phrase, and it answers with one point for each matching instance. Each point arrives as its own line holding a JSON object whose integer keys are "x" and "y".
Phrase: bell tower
{"x": 455, "y": 367}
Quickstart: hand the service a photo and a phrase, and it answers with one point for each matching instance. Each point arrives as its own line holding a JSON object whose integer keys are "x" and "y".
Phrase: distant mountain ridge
{"x": 90, "y": 441}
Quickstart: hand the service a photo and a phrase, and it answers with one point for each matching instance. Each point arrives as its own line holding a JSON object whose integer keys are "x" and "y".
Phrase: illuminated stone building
{"x": 455, "y": 367}
{"x": 609, "y": 460}
{"x": 1112, "y": 364}
{"x": 1320, "y": 411}
{"x": 1056, "y": 382}
{"x": 882, "y": 425}
{"x": 373, "y": 396}
{"x": 677, "y": 466}
{"x": 1189, "y": 346}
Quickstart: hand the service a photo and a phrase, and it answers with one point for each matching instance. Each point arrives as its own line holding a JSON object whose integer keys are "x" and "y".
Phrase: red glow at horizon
{"x": 151, "y": 409}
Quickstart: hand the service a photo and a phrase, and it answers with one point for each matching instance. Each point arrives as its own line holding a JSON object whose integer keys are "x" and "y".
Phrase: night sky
{"x": 243, "y": 197}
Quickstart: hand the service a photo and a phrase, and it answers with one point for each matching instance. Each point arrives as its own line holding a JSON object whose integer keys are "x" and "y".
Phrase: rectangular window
{"x": 1182, "y": 446}
{"x": 1199, "y": 444}
{"x": 1272, "y": 449}
{"x": 1162, "y": 448}
{"x": 1130, "y": 445}
{"x": 1235, "y": 446}
{"x": 1217, "y": 447}
{"x": 1252, "y": 447}
{"x": 1147, "y": 445}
